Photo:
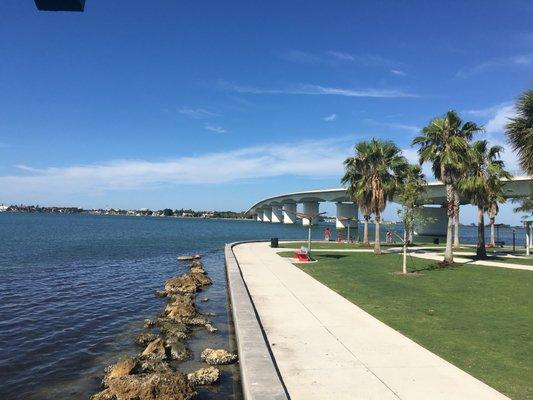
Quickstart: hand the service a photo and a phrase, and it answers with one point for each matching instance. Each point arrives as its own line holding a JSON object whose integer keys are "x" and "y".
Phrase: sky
{"x": 216, "y": 105}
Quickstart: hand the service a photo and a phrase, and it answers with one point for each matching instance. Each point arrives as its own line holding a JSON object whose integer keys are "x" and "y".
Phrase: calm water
{"x": 75, "y": 289}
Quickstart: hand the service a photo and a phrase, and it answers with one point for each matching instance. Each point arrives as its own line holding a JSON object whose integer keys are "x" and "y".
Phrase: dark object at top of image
{"x": 60, "y": 5}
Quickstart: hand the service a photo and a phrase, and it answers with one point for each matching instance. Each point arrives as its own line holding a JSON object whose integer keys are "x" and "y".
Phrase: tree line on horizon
{"x": 471, "y": 169}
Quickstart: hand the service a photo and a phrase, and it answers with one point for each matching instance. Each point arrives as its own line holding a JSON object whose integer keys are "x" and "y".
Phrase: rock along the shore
{"x": 218, "y": 357}
{"x": 189, "y": 258}
{"x": 168, "y": 386}
{"x": 204, "y": 376}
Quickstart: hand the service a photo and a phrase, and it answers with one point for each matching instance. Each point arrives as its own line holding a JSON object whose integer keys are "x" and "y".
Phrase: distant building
{"x": 3, "y": 208}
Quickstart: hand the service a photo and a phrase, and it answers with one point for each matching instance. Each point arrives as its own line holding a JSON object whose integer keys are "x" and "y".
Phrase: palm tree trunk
{"x": 456, "y": 218}
{"x": 448, "y": 254}
{"x": 492, "y": 241}
{"x": 481, "y": 252}
{"x": 365, "y": 231}
{"x": 377, "y": 240}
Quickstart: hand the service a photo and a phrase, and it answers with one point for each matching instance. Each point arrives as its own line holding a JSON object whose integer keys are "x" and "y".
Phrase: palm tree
{"x": 381, "y": 163}
{"x": 456, "y": 204}
{"x": 520, "y": 131}
{"x": 444, "y": 143}
{"x": 355, "y": 176}
{"x": 483, "y": 183}
{"x": 492, "y": 211}
{"x": 413, "y": 185}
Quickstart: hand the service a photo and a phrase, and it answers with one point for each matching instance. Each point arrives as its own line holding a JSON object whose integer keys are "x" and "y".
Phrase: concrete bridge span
{"x": 281, "y": 208}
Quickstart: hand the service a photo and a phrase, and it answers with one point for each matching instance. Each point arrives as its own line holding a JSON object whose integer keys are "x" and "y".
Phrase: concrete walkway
{"x": 327, "y": 348}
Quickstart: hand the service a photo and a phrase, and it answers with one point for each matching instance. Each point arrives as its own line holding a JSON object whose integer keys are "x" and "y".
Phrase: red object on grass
{"x": 301, "y": 255}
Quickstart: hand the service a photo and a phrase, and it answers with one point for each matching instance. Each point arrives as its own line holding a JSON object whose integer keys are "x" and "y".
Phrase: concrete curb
{"x": 260, "y": 378}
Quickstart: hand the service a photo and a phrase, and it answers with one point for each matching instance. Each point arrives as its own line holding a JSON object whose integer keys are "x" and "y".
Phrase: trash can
{"x": 435, "y": 240}
{"x": 273, "y": 242}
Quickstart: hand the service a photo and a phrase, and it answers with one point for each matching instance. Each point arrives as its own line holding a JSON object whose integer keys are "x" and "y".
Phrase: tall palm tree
{"x": 483, "y": 183}
{"x": 444, "y": 143}
{"x": 520, "y": 131}
{"x": 456, "y": 204}
{"x": 413, "y": 185}
{"x": 381, "y": 165}
{"x": 492, "y": 210}
{"x": 356, "y": 178}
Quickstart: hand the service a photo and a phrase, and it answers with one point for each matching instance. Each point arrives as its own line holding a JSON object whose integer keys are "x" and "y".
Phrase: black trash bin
{"x": 273, "y": 242}
{"x": 435, "y": 240}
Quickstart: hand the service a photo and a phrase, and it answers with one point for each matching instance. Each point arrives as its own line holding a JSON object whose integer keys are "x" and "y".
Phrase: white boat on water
{"x": 3, "y": 208}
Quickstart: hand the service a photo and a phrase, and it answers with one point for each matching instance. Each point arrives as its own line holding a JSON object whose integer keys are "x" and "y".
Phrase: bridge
{"x": 282, "y": 208}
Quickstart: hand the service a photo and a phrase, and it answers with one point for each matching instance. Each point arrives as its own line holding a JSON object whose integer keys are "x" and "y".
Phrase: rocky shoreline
{"x": 151, "y": 374}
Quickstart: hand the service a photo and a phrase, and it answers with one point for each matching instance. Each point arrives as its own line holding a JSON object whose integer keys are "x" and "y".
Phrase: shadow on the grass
{"x": 436, "y": 266}
{"x": 334, "y": 256}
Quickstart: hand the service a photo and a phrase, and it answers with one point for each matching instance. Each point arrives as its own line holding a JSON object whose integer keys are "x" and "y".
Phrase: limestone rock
{"x": 204, "y": 376}
{"x": 160, "y": 293}
{"x": 178, "y": 351}
{"x": 198, "y": 270}
{"x": 104, "y": 395}
{"x": 218, "y": 357}
{"x": 199, "y": 320}
{"x": 146, "y": 337}
{"x": 189, "y": 258}
{"x": 201, "y": 279}
{"x": 172, "y": 329}
{"x": 169, "y": 386}
{"x": 125, "y": 366}
{"x": 180, "y": 307}
{"x": 151, "y": 366}
{"x": 155, "y": 350}
{"x": 183, "y": 284}
{"x": 210, "y": 328}
{"x": 148, "y": 323}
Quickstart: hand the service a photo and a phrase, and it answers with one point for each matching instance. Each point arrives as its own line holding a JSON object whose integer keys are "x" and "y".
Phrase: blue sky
{"x": 214, "y": 105}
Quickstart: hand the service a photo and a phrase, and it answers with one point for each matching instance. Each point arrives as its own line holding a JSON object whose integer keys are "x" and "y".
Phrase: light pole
{"x": 349, "y": 220}
{"x": 310, "y": 217}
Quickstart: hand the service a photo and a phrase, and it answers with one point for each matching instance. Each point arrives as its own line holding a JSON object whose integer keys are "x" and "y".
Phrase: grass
{"x": 478, "y": 318}
{"x": 508, "y": 260}
{"x": 332, "y": 245}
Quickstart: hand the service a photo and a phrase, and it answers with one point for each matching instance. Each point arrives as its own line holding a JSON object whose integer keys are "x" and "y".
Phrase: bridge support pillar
{"x": 345, "y": 211}
{"x": 310, "y": 207}
{"x": 276, "y": 215}
{"x": 289, "y": 213}
{"x": 435, "y": 221}
{"x": 267, "y": 214}
{"x": 259, "y": 216}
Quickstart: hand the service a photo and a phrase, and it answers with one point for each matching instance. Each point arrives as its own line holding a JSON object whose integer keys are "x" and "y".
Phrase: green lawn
{"x": 478, "y": 318}
{"x": 332, "y": 245}
{"x": 509, "y": 260}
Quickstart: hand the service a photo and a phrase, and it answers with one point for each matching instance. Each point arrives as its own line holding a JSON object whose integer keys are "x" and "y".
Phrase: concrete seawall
{"x": 259, "y": 375}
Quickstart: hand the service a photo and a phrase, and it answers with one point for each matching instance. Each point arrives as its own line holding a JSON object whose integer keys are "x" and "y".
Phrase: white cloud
{"x": 496, "y": 117}
{"x": 341, "y": 56}
{"x": 336, "y": 58}
{"x": 196, "y": 113}
{"x": 394, "y": 125}
{"x": 501, "y": 117}
{"x": 397, "y": 72}
{"x": 512, "y": 61}
{"x": 308, "y": 89}
{"x": 291, "y": 159}
{"x": 214, "y": 128}
{"x": 329, "y": 118}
